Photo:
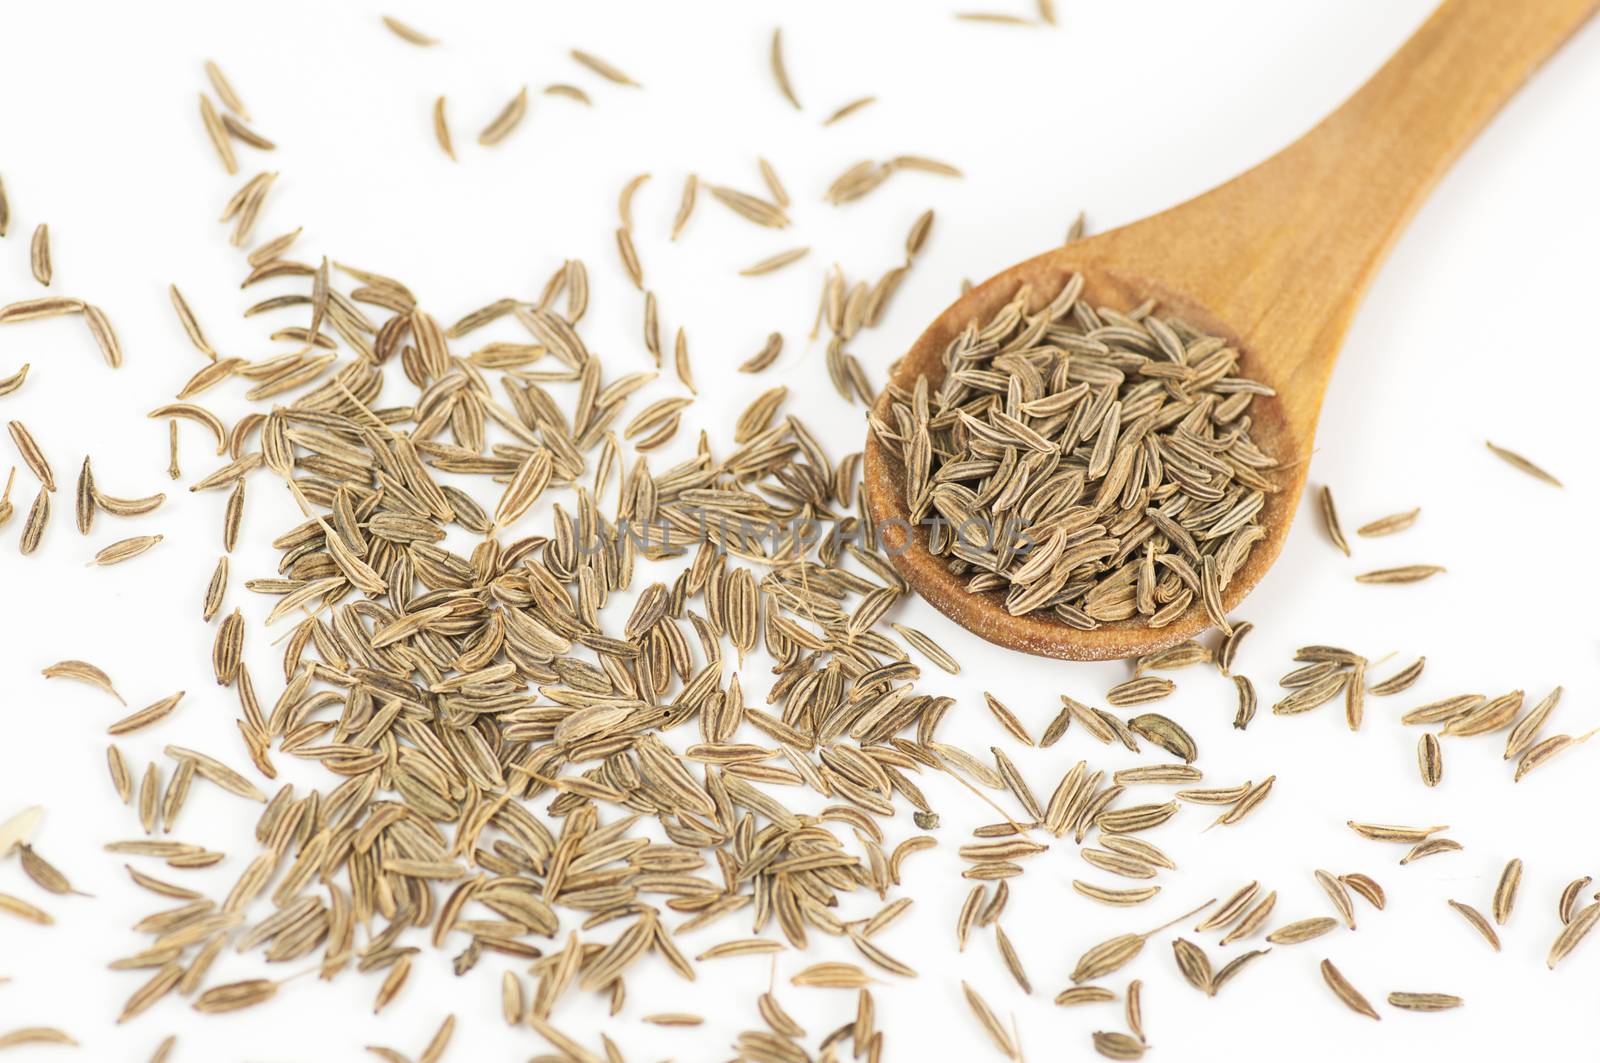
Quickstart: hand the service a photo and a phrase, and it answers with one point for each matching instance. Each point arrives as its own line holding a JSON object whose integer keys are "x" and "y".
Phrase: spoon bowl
{"x": 1275, "y": 262}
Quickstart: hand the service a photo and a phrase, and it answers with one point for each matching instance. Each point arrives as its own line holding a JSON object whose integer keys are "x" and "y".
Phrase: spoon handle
{"x": 1287, "y": 249}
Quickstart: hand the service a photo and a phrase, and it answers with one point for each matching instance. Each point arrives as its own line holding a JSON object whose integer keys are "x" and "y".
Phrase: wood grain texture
{"x": 1275, "y": 260}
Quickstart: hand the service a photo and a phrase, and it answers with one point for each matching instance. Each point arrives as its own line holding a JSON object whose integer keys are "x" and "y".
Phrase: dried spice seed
{"x": 603, "y": 68}
{"x": 1401, "y": 680}
{"x": 82, "y": 672}
{"x": 1347, "y": 993}
{"x": 1302, "y": 930}
{"x": 33, "y": 527}
{"x": 506, "y": 121}
{"x": 780, "y": 72}
{"x": 32, "y": 455}
{"x": 1396, "y": 522}
{"x": 1476, "y": 920}
{"x": 1330, "y": 520}
{"x": 126, "y": 549}
{"x": 1365, "y": 887}
{"x": 441, "y": 129}
{"x": 1383, "y": 832}
{"x": 775, "y": 262}
{"x": 1430, "y": 760}
{"x": 1115, "y": 1045}
{"x": 1424, "y": 1001}
{"x": 1526, "y": 732}
{"x": 1403, "y": 574}
{"x": 1431, "y": 847}
{"x": 1573, "y": 932}
{"x": 408, "y": 34}
{"x": 1517, "y": 461}
{"x": 1569, "y": 898}
{"x": 848, "y": 109}
{"x": 39, "y": 255}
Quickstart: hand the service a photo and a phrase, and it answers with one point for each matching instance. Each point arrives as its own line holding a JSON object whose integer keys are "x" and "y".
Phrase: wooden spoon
{"x": 1276, "y": 261}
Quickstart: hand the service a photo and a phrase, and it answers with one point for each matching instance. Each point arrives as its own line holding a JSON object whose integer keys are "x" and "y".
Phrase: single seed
{"x": 408, "y": 34}
{"x": 1430, "y": 760}
{"x": 1396, "y": 522}
{"x": 1517, "y": 461}
{"x": 1403, "y": 574}
{"x": 1424, "y": 1001}
{"x": 779, "y": 72}
{"x": 1330, "y": 520}
{"x": 1346, "y": 992}
{"x": 507, "y": 120}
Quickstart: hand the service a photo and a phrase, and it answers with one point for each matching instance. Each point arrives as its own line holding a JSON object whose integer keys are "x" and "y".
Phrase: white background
{"x": 1479, "y": 327}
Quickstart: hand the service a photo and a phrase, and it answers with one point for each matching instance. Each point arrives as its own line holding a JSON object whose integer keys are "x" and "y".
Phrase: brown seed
{"x": 1517, "y": 461}
{"x": 441, "y": 128}
{"x": 779, "y": 72}
{"x": 630, "y": 258}
{"x": 1569, "y": 898}
{"x": 1346, "y": 992}
{"x": 775, "y": 262}
{"x": 38, "y": 517}
{"x": 603, "y": 68}
{"x": 82, "y": 672}
{"x": 1396, "y": 522}
{"x": 217, "y": 134}
{"x": 1526, "y": 732}
{"x": 119, "y": 773}
{"x": 33, "y": 309}
{"x": 1231, "y": 908}
{"x": 1234, "y": 966}
{"x": 1542, "y": 752}
{"x": 23, "y": 910}
{"x": 990, "y": 1023}
{"x": 1383, "y": 832}
{"x": 225, "y": 91}
{"x": 1430, "y": 760}
{"x": 691, "y": 186}
{"x": 126, "y": 549}
{"x": 1115, "y": 1045}
{"x": 1366, "y": 887}
{"x": 1403, "y": 574}
{"x": 39, "y": 255}
{"x": 1330, "y": 520}
{"x": 239, "y": 995}
{"x": 1575, "y": 930}
{"x": 1477, "y": 921}
{"x": 83, "y": 501}
{"x": 1335, "y": 889}
{"x": 1193, "y": 964}
{"x": 1303, "y": 930}
{"x": 1247, "y": 702}
{"x": 1084, "y": 994}
{"x": 1506, "y": 892}
{"x": 15, "y": 380}
{"x": 406, "y": 33}
{"x": 104, "y": 336}
{"x": 215, "y": 589}
{"x": 507, "y": 120}
{"x": 1429, "y": 848}
{"x": 1252, "y": 921}
{"x": 1401, "y": 680}
{"x": 571, "y": 92}
{"x": 848, "y": 109}
{"x": 44, "y": 874}
{"x": 1424, "y": 1001}
{"x": 35, "y": 1035}
{"x": 32, "y": 455}
{"x": 392, "y": 984}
